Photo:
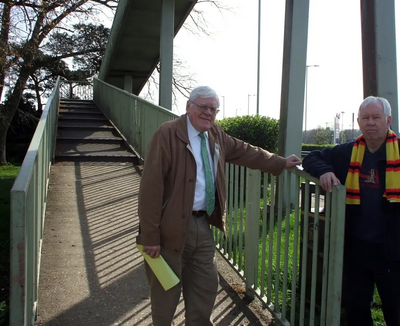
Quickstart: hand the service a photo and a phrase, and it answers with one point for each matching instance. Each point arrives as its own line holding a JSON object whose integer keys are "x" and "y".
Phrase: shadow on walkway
{"x": 91, "y": 272}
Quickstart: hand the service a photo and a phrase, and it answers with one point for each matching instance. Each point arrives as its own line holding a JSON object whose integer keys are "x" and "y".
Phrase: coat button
{"x": 190, "y": 180}
{"x": 183, "y": 216}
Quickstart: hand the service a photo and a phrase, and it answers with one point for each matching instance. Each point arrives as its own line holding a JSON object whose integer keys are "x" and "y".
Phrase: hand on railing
{"x": 327, "y": 180}
{"x": 292, "y": 161}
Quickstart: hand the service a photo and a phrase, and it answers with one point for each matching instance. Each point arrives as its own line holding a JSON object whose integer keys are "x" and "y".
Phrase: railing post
{"x": 252, "y": 229}
{"x": 336, "y": 256}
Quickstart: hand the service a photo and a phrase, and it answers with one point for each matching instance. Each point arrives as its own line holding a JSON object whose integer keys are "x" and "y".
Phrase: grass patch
{"x": 8, "y": 174}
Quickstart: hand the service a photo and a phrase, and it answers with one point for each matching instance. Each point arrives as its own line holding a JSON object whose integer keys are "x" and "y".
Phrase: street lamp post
{"x": 342, "y": 117}
{"x": 248, "y": 102}
{"x": 223, "y": 106}
{"x": 305, "y": 105}
{"x": 258, "y": 57}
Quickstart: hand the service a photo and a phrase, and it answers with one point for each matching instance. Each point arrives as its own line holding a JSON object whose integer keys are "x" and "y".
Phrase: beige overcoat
{"x": 167, "y": 186}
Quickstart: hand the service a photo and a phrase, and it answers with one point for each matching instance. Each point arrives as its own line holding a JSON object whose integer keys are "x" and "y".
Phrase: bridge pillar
{"x": 379, "y": 53}
{"x": 128, "y": 83}
{"x": 293, "y": 77}
{"x": 166, "y": 53}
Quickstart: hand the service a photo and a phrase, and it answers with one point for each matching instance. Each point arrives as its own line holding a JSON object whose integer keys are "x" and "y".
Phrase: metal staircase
{"x": 85, "y": 134}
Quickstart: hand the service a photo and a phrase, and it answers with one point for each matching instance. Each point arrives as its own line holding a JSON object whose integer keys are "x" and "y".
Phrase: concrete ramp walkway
{"x": 91, "y": 272}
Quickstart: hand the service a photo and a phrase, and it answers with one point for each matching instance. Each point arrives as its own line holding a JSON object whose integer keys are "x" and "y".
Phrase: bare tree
{"x": 26, "y": 25}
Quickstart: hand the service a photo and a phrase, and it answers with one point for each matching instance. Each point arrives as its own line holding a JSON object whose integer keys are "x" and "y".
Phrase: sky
{"x": 227, "y": 60}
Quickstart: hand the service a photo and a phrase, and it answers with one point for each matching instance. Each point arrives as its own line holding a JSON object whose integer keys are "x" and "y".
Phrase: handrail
{"x": 28, "y": 203}
{"x": 275, "y": 241}
{"x": 76, "y": 89}
{"x": 135, "y": 118}
{"x": 258, "y": 238}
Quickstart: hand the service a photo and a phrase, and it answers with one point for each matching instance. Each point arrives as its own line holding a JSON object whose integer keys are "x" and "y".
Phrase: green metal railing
{"x": 28, "y": 205}
{"x": 76, "y": 90}
{"x": 286, "y": 241}
{"x": 270, "y": 222}
{"x": 135, "y": 118}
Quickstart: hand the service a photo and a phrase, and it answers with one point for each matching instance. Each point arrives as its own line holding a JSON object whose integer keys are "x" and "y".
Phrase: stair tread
{"x": 84, "y": 133}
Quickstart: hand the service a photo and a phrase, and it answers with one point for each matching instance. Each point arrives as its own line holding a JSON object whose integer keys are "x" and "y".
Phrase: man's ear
{"x": 389, "y": 121}
{"x": 187, "y": 106}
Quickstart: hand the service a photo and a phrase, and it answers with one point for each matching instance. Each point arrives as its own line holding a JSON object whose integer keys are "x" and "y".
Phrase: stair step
{"x": 92, "y": 148}
{"x": 114, "y": 140}
{"x": 71, "y": 117}
{"x": 76, "y": 110}
{"x": 85, "y": 133}
{"x": 93, "y": 127}
{"x": 69, "y": 101}
{"x": 96, "y": 158}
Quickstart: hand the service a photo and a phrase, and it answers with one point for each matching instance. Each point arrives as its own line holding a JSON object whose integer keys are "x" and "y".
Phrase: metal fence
{"x": 272, "y": 224}
{"x": 28, "y": 204}
{"x": 135, "y": 118}
{"x": 76, "y": 90}
{"x": 285, "y": 238}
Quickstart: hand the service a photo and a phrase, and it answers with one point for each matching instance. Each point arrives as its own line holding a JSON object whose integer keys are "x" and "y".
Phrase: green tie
{"x": 210, "y": 191}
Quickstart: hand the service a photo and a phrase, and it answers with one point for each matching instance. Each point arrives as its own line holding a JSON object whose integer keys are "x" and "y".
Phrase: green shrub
{"x": 313, "y": 147}
{"x": 8, "y": 173}
{"x": 256, "y": 130}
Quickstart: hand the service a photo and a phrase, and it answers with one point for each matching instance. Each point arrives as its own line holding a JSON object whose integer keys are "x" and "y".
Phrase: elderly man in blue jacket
{"x": 369, "y": 167}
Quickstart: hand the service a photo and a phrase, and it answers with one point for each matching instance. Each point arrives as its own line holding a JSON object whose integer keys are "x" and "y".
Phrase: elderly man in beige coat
{"x": 182, "y": 193}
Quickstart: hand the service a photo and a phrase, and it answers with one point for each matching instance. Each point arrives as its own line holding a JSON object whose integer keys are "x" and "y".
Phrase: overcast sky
{"x": 227, "y": 61}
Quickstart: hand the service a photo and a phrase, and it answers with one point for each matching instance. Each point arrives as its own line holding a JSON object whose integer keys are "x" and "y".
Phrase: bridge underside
{"x": 133, "y": 50}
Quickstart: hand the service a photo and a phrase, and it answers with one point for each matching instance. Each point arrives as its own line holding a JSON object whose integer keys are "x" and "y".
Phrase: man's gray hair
{"x": 203, "y": 92}
{"x": 387, "y": 110}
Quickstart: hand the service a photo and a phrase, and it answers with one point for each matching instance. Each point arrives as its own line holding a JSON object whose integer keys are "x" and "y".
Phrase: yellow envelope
{"x": 161, "y": 269}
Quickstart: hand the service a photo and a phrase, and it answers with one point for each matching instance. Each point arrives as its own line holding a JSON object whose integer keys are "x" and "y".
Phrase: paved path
{"x": 91, "y": 273}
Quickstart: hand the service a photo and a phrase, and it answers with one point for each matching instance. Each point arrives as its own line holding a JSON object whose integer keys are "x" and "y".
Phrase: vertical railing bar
{"x": 228, "y": 241}
{"x": 336, "y": 257}
{"x": 303, "y": 283}
{"x": 325, "y": 271}
{"x": 264, "y": 234}
{"x": 227, "y": 183}
{"x": 242, "y": 174}
{"x": 271, "y": 239}
{"x": 252, "y": 229}
{"x": 278, "y": 243}
{"x": 288, "y": 177}
{"x": 314, "y": 256}
{"x": 295, "y": 253}
{"x": 236, "y": 200}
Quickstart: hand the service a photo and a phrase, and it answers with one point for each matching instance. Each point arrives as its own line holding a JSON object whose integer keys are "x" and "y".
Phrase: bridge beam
{"x": 166, "y": 53}
{"x": 379, "y": 53}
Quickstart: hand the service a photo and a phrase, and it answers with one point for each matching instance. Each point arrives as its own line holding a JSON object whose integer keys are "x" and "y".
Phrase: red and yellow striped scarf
{"x": 392, "y": 192}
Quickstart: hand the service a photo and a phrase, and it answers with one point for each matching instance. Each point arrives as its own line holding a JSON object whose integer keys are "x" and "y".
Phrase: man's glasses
{"x": 204, "y": 108}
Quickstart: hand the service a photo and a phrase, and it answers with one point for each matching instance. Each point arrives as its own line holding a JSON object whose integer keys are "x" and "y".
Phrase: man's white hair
{"x": 387, "y": 110}
{"x": 203, "y": 92}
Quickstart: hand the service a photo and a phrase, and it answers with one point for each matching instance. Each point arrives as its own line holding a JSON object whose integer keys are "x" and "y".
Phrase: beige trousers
{"x": 198, "y": 273}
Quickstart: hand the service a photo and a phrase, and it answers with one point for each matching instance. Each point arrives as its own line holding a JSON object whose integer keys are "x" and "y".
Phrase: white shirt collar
{"x": 192, "y": 131}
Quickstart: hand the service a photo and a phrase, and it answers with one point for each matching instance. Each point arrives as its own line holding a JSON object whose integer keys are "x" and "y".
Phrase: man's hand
{"x": 292, "y": 160}
{"x": 327, "y": 180}
{"x": 152, "y": 251}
